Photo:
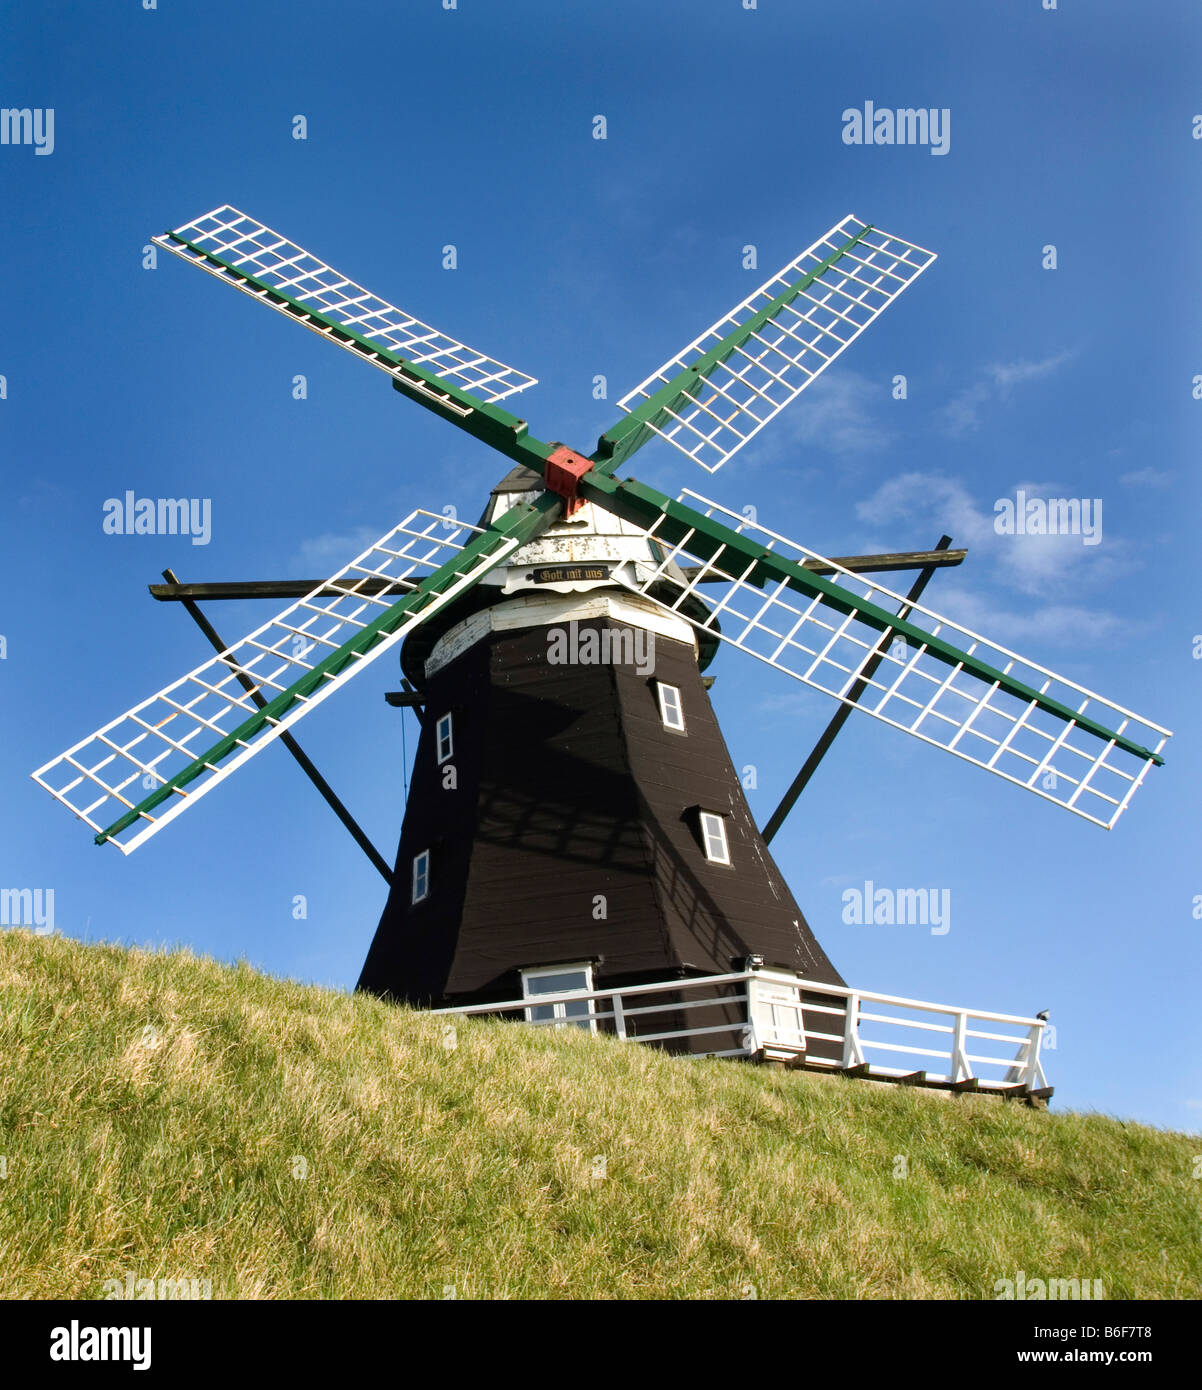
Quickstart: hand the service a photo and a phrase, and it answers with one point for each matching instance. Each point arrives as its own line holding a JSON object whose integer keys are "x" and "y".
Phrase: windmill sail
{"x": 722, "y": 389}
{"x": 131, "y": 777}
{"x": 262, "y": 263}
{"x": 937, "y": 680}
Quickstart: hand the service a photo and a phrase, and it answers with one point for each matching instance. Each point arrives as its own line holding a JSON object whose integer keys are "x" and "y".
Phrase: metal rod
{"x": 840, "y": 717}
{"x": 286, "y": 738}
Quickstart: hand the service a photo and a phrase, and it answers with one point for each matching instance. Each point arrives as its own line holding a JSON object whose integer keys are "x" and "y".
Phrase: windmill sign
{"x": 592, "y": 838}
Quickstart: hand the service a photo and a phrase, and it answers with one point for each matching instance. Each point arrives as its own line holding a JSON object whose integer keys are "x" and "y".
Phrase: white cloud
{"x": 1146, "y": 477}
{"x": 1050, "y": 626}
{"x": 964, "y": 411}
{"x": 1007, "y": 375}
{"x": 1055, "y": 569}
{"x": 324, "y": 555}
{"x": 838, "y": 412}
{"x": 929, "y": 496}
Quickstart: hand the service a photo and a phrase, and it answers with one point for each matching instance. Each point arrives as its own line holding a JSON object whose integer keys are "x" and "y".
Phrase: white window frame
{"x": 559, "y": 1011}
{"x": 713, "y": 835}
{"x": 421, "y": 877}
{"x": 671, "y": 712}
{"x": 444, "y": 742}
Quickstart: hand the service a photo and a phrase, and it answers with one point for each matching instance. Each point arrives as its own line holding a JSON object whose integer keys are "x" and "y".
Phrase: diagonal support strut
{"x": 842, "y": 714}
{"x": 306, "y": 764}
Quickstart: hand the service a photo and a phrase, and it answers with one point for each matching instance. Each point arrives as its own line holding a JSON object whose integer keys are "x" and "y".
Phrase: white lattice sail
{"x": 1060, "y": 740}
{"x": 784, "y": 335}
{"x": 266, "y": 265}
{"x": 295, "y": 662}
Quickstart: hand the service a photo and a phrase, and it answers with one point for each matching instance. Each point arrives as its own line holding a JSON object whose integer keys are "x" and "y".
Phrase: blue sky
{"x": 576, "y": 256}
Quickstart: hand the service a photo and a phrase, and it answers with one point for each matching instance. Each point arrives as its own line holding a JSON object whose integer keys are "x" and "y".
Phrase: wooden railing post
{"x": 853, "y": 1055}
{"x": 961, "y": 1071}
{"x": 619, "y": 1018}
{"x": 1033, "y": 1076}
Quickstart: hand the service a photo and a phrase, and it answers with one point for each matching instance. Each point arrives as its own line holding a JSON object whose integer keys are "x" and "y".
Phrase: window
{"x": 558, "y": 979}
{"x": 443, "y": 740}
{"x": 713, "y": 837}
{"x": 421, "y": 877}
{"x": 671, "y": 711}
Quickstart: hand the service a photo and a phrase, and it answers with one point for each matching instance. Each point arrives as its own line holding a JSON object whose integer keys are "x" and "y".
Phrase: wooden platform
{"x": 1037, "y": 1098}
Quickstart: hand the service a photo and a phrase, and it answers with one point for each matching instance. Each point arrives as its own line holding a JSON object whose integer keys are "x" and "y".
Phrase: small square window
{"x": 713, "y": 837}
{"x": 443, "y": 739}
{"x": 559, "y": 980}
{"x": 421, "y": 877}
{"x": 671, "y": 710}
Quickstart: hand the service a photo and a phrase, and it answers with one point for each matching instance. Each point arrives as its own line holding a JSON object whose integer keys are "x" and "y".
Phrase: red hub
{"x": 565, "y": 468}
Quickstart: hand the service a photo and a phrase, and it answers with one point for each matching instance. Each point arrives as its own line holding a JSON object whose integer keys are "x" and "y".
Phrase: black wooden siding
{"x": 570, "y": 787}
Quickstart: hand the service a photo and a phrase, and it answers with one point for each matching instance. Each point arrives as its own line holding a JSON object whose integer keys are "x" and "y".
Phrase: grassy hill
{"x": 177, "y": 1118}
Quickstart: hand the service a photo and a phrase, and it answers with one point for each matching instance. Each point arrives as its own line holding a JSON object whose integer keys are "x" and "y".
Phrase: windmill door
{"x": 777, "y": 1022}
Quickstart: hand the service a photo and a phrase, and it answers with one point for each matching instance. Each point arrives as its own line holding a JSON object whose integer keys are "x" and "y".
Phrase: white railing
{"x": 955, "y": 1048}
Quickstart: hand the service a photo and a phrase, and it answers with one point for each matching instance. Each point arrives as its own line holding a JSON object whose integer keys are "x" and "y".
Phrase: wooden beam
{"x": 298, "y": 588}
{"x": 271, "y": 588}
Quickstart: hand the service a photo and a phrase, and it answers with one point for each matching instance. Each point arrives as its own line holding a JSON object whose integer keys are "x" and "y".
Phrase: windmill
{"x": 574, "y": 817}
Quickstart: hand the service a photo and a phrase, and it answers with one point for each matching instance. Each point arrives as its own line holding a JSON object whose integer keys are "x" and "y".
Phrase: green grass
{"x": 480, "y": 1167}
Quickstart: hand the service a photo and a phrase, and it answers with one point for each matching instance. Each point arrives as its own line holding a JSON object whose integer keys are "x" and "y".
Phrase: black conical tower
{"x": 564, "y": 826}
